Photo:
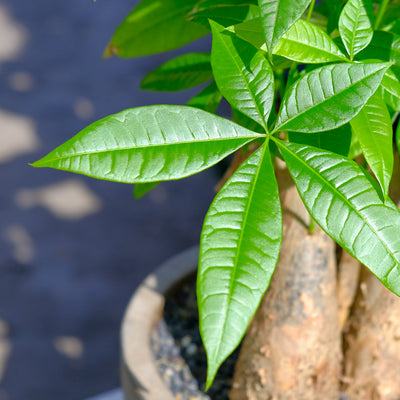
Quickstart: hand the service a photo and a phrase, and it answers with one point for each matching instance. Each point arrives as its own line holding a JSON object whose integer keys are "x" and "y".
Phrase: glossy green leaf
{"x": 180, "y": 73}
{"x": 245, "y": 121}
{"x": 373, "y": 128}
{"x": 239, "y": 249}
{"x": 142, "y": 189}
{"x": 251, "y": 31}
{"x": 336, "y": 140}
{"x": 208, "y": 99}
{"x": 149, "y": 144}
{"x": 155, "y": 26}
{"x": 344, "y": 202}
{"x": 278, "y": 16}
{"x": 391, "y": 90}
{"x": 224, "y": 12}
{"x": 306, "y": 43}
{"x": 243, "y": 74}
{"x": 328, "y": 97}
{"x": 355, "y": 25}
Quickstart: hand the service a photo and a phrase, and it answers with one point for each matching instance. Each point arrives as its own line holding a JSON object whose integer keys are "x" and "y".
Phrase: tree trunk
{"x": 348, "y": 282}
{"x": 372, "y": 358}
{"x": 372, "y": 340}
{"x": 292, "y": 348}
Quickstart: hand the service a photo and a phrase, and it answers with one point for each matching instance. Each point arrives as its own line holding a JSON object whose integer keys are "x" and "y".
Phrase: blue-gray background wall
{"x": 72, "y": 249}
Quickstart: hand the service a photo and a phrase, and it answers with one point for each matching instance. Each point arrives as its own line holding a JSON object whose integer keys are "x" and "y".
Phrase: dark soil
{"x": 179, "y": 352}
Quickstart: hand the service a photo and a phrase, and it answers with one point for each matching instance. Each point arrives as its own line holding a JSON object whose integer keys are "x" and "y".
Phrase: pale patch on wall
{"x": 18, "y": 136}
{"x": 70, "y": 199}
{"x": 13, "y": 36}
{"x": 21, "y": 81}
{"x": 22, "y": 242}
{"x": 84, "y": 108}
{"x": 69, "y": 346}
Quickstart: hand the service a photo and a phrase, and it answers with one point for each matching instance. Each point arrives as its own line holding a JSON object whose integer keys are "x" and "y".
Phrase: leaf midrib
{"x": 341, "y": 196}
{"x": 145, "y": 146}
{"x": 250, "y": 197}
{"x": 354, "y": 33}
{"x": 373, "y": 138}
{"x": 276, "y": 129}
{"x": 257, "y": 106}
{"x": 337, "y": 56}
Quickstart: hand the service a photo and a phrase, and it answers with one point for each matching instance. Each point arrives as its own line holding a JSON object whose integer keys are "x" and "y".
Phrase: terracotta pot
{"x": 140, "y": 379}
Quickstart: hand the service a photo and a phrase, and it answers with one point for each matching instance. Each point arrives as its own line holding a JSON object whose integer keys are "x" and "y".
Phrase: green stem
{"x": 310, "y": 10}
{"x": 282, "y": 83}
{"x": 381, "y": 13}
{"x": 311, "y": 226}
{"x": 396, "y": 114}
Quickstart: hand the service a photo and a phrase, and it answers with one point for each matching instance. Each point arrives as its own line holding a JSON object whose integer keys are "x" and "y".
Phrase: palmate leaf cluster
{"x": 331, "y": 71}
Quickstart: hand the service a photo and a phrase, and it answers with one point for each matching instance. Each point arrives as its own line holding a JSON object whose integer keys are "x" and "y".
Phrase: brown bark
{"x": 348, "y": 282}
{"x": 292, "y": 348}
{"x": 372, "y": 354}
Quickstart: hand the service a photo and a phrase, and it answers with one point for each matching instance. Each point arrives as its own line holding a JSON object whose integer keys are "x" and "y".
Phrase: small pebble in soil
{"x": 179, "y": 353}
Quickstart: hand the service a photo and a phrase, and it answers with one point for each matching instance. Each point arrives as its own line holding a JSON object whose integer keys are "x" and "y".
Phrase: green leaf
{"x": 149, "y": 144}
{"x": 355, "y": 25}
{"x": 306, "y": 43}
{"x": 153, "y": 27}
{"x": 337, "y": 140}
{"x": 251, "y": 31}
{"x": 391, "y": 90}
{"x": 239, "y": 249}
{"x": 224, "y": 12}
{"x": 243, "y": 75}
{"x": 208, "y": 99}
{"x": 278, "y": 16}
{"x": 373, "y": 128}
{"x": 141, "y": 189}
{"x": 180, "y": 73}
{"x": 328, "y": 97}
{"x": 245, "y": 121}
{"x": 344, "y": 202}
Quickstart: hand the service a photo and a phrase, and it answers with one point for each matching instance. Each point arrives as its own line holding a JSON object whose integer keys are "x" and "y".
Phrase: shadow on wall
{"x": 72, "y": 249}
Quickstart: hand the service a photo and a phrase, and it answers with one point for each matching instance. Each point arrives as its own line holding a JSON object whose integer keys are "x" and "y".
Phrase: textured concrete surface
{"x": 72, "y": 249}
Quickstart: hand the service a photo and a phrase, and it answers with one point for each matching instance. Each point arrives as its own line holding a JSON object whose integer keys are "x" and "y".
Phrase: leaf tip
{"x": 215, "y": 26}
{"x": 211, "y": 373}
{"x": 110, "y": 51}
{"x": 36, "y": 164}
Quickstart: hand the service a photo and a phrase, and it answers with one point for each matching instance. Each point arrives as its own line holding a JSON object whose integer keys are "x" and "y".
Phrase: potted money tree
{"x": 314, "y": 89}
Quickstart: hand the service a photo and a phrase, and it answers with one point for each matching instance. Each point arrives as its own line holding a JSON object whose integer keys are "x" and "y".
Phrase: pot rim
{"x": 139, "y": 375}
